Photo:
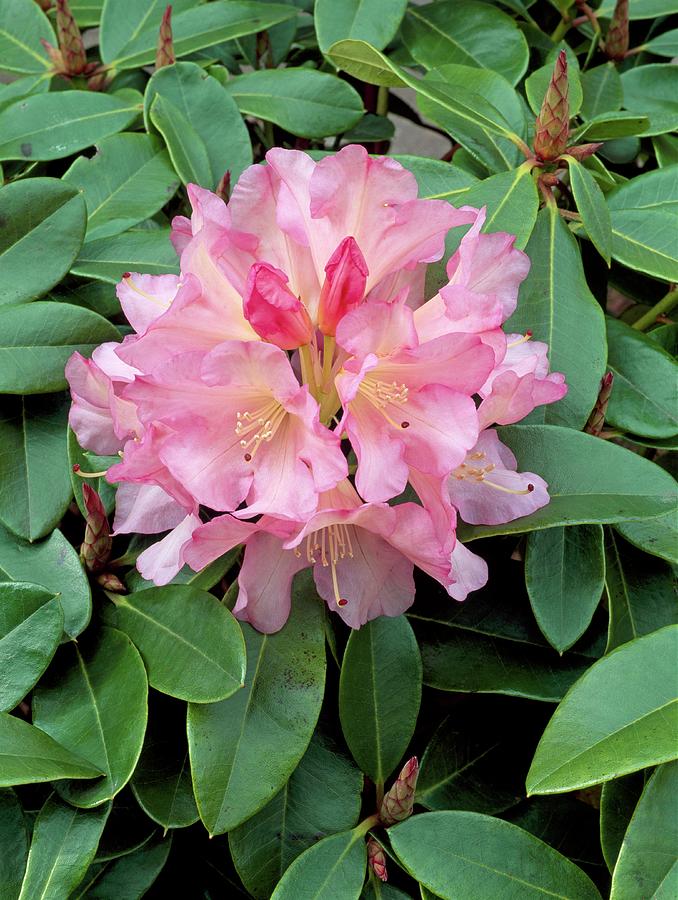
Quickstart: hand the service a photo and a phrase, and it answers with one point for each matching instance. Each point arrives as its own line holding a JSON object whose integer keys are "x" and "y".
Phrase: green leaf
{"x": 640, "y": 591}
{"x": 22, "y": 87}
{"x": 29, "y": 756}
{"x": 488, "y": 647}
{"x": 89, "y": 691}
{"x": 511, "y": 200}
{"x": 162, "y": 778}
{"x": 331, "y": 869}
{"x": 621, "y": 716}
{"x": 613, "y": 126}
{"x": 90, "y": 462}
{"x": 191, "y": 645}
{"x": 31, "y": 624}
{"x": 641, "y": 9}
{"x": 321, "y": 798}
{"x": 643, "y": 398}
{"x": 466, "y": 32}
{"x": 129, "y": 31}
{"x": 658, "y": 536}
{"x": 54, "y": 565}
{"x": 653, "y": 91}
{"x": 644, "y": 215}
{"x": 592, "y": 207}
{"x": 51, "y": 126}
{"x": 37, "y": 340}
{"x": 214, "y": 122}
{"x": 646, "y": 866}
{"x": 138, "y": 250}
{"x": 466, "y": 854}
{"x": 602, "y": 90}
{"x": 63, "y": 845}
{"x": 589, "y": 481}
{"x": 565, "y": 576}
{"x": 618, "y": 800}
{"x": 86, "y": 12}
{"x": 364, "y": 62}
{"x": 14, "y": 843}
{"x": 187, "y": 151}
{"x": 130, "y": 875}
{"x": 436, "y": 180}
{"x": 22, "y": 26}
{"x": 128, "y": 179}
{"x": 379, "y": 694}
{"x": 306, "y": 102}
{"x": 556, "y": 305}
{"x": 40, "y": 217}
{"x": 665, "y": 44}
{"x": 375, "y": 21}
{"x": 244, "y": 749}
{"x": 666, "y": 149}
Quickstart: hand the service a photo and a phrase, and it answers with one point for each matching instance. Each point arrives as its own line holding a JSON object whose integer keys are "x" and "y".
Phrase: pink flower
{"x": 344, "y": 286}
{"x": 273, "y": 311}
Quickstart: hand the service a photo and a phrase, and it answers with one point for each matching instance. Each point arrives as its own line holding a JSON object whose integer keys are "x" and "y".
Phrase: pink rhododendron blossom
{"x": 294, "y": 378}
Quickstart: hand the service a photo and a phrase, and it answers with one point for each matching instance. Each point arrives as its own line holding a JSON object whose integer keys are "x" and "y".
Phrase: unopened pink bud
{"x": 398, "y": 802}
{"x": 376, "y": 859}
{"x": 272, "y": 309}
{"x": 617, "y": 40}
{"x": 596, "y": 420}
{"x": 345, "y": 279}
{"x": 95, "y": 550}
{"x": 164, "y": 55}
{"x": 70, "y": 40}
{"x": 110, "y": 582}
{"x": 552, "y": 127}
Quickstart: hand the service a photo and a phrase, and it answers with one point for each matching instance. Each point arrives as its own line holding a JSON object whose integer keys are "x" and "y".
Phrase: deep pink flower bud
{"x": 164, "y": 55}
{"x": 376, "y": 859}
{"x": 617, "y": 40}
{"x": 111, "y": 582}
{"x": 345, "y": 279}
{"x": 398, "y": 802}
{"x": 552, "y": 127}
{"x": 70, "y": 40}
{"x": 96, "y": 547}
{"x": 596, "y": 420}
{"x": 272, "y": 309}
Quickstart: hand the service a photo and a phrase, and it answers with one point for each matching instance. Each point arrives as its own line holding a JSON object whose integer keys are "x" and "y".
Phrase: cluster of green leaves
{"x": 167, "y": 722}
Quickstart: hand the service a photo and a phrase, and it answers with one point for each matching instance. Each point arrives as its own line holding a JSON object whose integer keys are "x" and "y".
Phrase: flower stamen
{"x": 264, "y": 422}
{"x": 334, "y": 544}
{"x": 381, "y": 394}
{"x": 522, "y": 340}
{"x": 479, "y": 473}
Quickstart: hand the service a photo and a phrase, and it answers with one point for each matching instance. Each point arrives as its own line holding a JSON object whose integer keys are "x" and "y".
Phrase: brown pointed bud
{"x": 376, "y": 859}
{"x": 224, "y": 187}
{"x": 583, "y": 150}
{"x": 596, "y": 420}
{"x": 552, "y": 127}
{"x": 99, "y": 79}
{"x": 398, "y": 802}
{"x": 617, "y": 40}
{"x": 111, "y": 582}
{"x": 70, "y": 40}
{"x": 164, "y": 55}
{"x": 96, "y": 547}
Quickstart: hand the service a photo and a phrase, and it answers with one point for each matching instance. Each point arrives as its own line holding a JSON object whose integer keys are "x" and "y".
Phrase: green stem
{"x": 367, "y": 823}
{"x": 382, "y": 101}
{"x": 664, "y": 306}
{"x": 561, "y": 30}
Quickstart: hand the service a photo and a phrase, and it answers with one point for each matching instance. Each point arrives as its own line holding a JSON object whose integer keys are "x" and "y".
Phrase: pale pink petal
{"x": 145, "y": 508}
{"x": 144, "y": 298}
{"x": 90, "y": 414}
{"x": 378, "y": 328}
{"x": 522, "y": 357}
{"x": 416, "y": 536}
{"x": 468, "y": 570}
{"x": 433, "y": 492}
{"x": 216, "y": 537}
{"x": 512, "y": 398}
{"x": 265, "y": 583}
{"x": 161, "y": 561}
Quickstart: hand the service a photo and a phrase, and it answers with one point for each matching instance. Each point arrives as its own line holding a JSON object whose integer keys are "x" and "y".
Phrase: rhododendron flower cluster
{"x": 291, "y": 383}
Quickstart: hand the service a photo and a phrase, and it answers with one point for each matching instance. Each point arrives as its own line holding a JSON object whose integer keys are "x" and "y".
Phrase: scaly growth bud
{"x": 376, "y": 859}
{"x": 111, "y": 582}
{"x": 96, "y": 547}
{"x": 617, "y": 41}
{"x": 583, "y": 150}
{"x": 596, "y": 420}
{"x": 553, "y": 122}
{"x": 70, "y": 40}
{"x": 164, "y": 55}
{"x": 399, "y": 801}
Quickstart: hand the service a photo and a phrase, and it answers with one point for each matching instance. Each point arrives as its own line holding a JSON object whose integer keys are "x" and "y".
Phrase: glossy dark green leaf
{"x": 35, "y": 487}
{"x": 380, "y": 693}
{"x": 22, "y": 87}
{"x": 54, "y": 565}
{"x": 618, "y": 800}
{"x": 93, "y": 700}
{"x": 466, "y": 32}
{"x": 31, "y": 625}
{"x": 556, "y": 305}
{"x": 592, "y": 207}
{"x": 647, "y": 865}
{"x": 363, "y": 61}
{"x": 38, "y": 217}
{"x": 129, "y": 876}
{"x": 244, "y": 749}
{"x": 321, "y": 797}
{"x": 137, "y": 250}
{"x": 665, "y": 44}
{"x": 602, "y": 90}
{"x": 511, "y": 201}
{"x": 126, "y": 829}
{"x": 14, "y": 843}
{"x": 63, "y": 845}
{"x": 375, "y": 21}
{"x": 620, "y": 717}
{"x": 617, "y": 128}
{"x": 216, "y": 128}
{"x": 641, "y": 9}
{"x": 54, "y": 125}
{"x": 666, "y": 149}
{"x": 187, "y": 150}
{"x": 589, "y": 481}
{"x": 306, "y": 102}
{"x": 332, "y": 868}
{"x": 128, "y": 180}
{"x": 190, "y": 643}
{"x": 645, "y": 387}
{"x": 466, "y": 854}
{"x": 29, "y": 756}
{"x": 206, "y": 579}
{"x": 565, "y": 576}
{"x": 22, "y": 26}
{"x": 37, "y": 339}
{"x": 436, "y": 180}
{"x": 652, "y": 91}
{"x": 658, "y": 536}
